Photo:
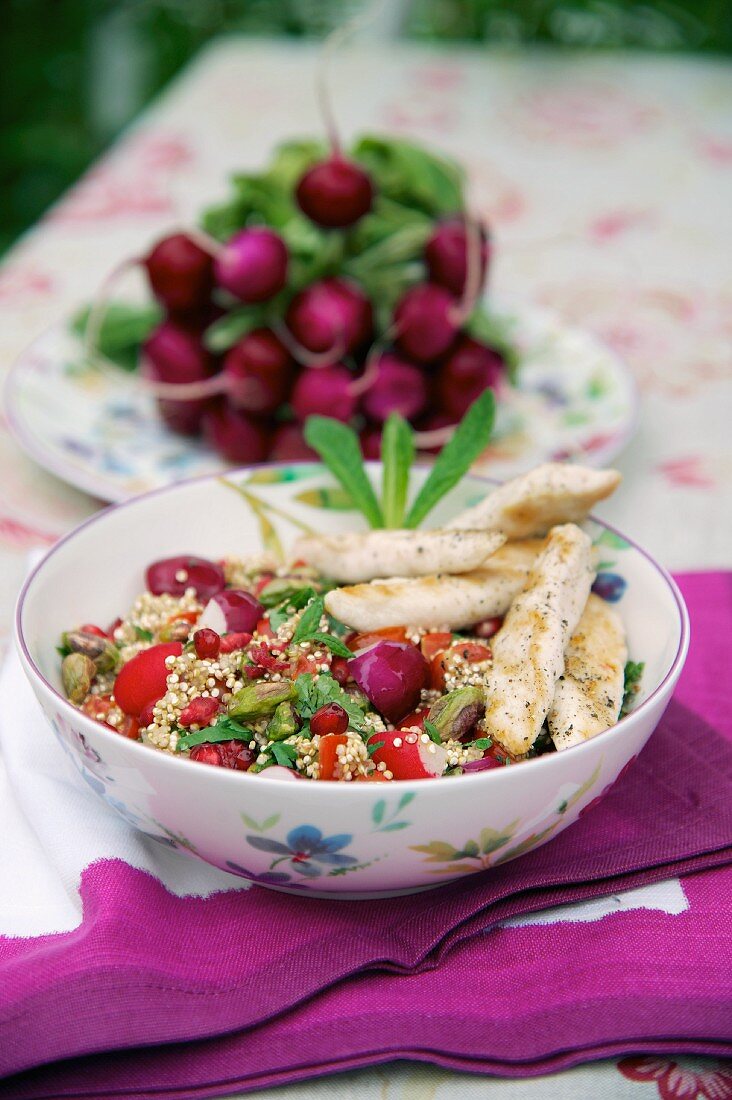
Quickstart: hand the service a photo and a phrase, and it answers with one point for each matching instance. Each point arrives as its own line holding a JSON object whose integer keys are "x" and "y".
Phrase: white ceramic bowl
{"x": 362, "y": 840}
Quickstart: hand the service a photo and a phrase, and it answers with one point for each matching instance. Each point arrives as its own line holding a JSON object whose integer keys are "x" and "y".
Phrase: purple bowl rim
{"x": 404, "y": 784}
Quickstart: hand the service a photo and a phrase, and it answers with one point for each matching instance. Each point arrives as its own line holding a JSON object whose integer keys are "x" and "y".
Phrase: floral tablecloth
{"x": 606, "y": 181}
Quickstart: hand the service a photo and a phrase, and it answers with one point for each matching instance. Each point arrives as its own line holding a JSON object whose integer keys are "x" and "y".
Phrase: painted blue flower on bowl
{"x": 609, "y": 586}
{"x": 305, "y": 850}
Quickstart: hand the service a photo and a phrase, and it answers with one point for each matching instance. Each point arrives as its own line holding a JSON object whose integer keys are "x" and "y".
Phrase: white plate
{"x": 574, "y": 398}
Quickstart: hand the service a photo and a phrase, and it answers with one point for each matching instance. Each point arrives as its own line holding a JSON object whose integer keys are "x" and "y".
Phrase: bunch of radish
{"x": 348, "y": 286}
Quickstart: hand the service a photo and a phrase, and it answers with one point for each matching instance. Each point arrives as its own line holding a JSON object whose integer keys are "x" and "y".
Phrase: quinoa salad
{"x": 377, "y": 657}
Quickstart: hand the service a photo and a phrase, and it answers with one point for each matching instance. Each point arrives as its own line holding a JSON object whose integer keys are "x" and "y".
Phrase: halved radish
{"x": 392, "y": 675}
{"x": 276, "y": 771}
{"x": 143, "y": 679}
{"x": 231, "y": 611}
{"x": 407, "y": 756}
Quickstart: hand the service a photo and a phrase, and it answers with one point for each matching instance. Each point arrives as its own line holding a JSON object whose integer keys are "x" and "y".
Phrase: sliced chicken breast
{"x": 528, "y": 650}
{"x": 589, "y": 694}
{"x": 438, "y": 600}
{"x": 351, "y": 558}
{"x": 529, "y": 505}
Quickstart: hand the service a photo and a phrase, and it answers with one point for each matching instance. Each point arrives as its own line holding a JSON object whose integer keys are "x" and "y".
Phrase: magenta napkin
{"x": 231, "y": 989}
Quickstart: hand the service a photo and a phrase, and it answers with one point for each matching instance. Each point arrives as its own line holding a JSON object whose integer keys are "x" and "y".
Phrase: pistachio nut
{"x": 260, "y": 699}
{"x": 283, "y": 722}
{"x": 175, "y": 632}
{"x": 456, "y": 714}
{"x": 77, "y": 674}
{"x": 100, "y": 649}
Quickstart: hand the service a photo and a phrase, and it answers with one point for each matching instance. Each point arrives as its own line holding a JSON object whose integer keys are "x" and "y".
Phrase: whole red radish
{"x": 143, "y": 679}
{"x": 180, "y": 274}
{"x": 236, "y": 436}
{"x": 407, "y": 756}
{"x": 399, "y": 386}
{"x": 252, "y": 265}
{"x": 335, "y": 193}
{"x": 469, "y": 369}
{"x": 258, "y": 372}
{"x": 333, "y": 315}
{"x": 325, "y": 391}
{"x": 289, "y": 445}
{"x": 424, "y": 323}
{"x": 446, "y": 254}
{"x": 173, "y": 353}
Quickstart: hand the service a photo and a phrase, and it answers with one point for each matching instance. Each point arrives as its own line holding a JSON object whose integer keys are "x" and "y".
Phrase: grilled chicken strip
{"x": 528, "y": 650}
{"x": 351, "y": 558}
{"x": 589, "y": 694}
{"x": 529, "y": 505}
{"x": 438, "y": 600}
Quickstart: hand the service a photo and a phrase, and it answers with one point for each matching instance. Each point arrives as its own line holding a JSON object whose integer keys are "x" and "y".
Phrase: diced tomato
{"x": 435, "y": 643}
{"x": 90, "y": 628}
{"x": 327, "y": 754}
{"x": 98, "y": 707}
{"x": 416, "y": 718}
{"x": 264, "y": 629}
{"x": 183, "y": 616}
{"x": 143, "y": 679}
{"x": 473, "y": 652}
{"x": 387, "y": 634}
{"x": 372, "y": 777}
{"x": 129, "y": 727}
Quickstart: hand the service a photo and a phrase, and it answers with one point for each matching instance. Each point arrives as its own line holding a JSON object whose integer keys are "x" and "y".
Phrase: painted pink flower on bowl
{"x": 680, "y": 1082}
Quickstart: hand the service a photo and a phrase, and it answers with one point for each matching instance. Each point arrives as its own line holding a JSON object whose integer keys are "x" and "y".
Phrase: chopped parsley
{"x": 226, "y": 729}
{"x": 633, "y": 673}
{"x": 285, "y": 755}
{"x": 371, "y": 749}
{"x": 432, "y": 731}
{"x": 296, "y": 601}
{"x": 481, "y": 743}
{"x": 143, "y": 635}
{"x": 313, "y": 694}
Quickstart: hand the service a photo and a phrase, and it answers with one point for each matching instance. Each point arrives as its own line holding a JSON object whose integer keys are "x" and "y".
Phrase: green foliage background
{"x": 76, "y": 71}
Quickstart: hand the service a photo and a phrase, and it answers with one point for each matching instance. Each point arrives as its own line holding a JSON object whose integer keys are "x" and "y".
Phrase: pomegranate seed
{"x": 146, "y": 714}
{"x": 339, "y": 670}
{"x": 230, "y": 642}
{"x": 199, "y": 712}
{"x": 113, "y": 626}
{"x": 488, "y": 628}
{"x": 208, "y": 754}
{"x": 237, "y": 755}
{"x": 207, "y": 643}
{"x": 331, "y": 718}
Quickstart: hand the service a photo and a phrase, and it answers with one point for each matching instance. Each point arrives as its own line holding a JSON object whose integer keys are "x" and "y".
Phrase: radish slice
{"x": 231, "y": 611}
{"x": 408, "y": 756}
{"x": 278, "y": 772}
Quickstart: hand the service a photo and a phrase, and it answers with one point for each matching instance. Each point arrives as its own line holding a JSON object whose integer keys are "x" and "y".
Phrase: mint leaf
{"x": 143, "y": 635}
{"x": 456, "y": 457}
{"x": 397, "y": 456}
{"x": 339, "y": 448}
{"x": 226, "y": 729}
{"x": 310, "y": 620}
{"x": 280, "y": 614}
{"x": 482, "y": 743}
{"x": 335, "y": 645}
